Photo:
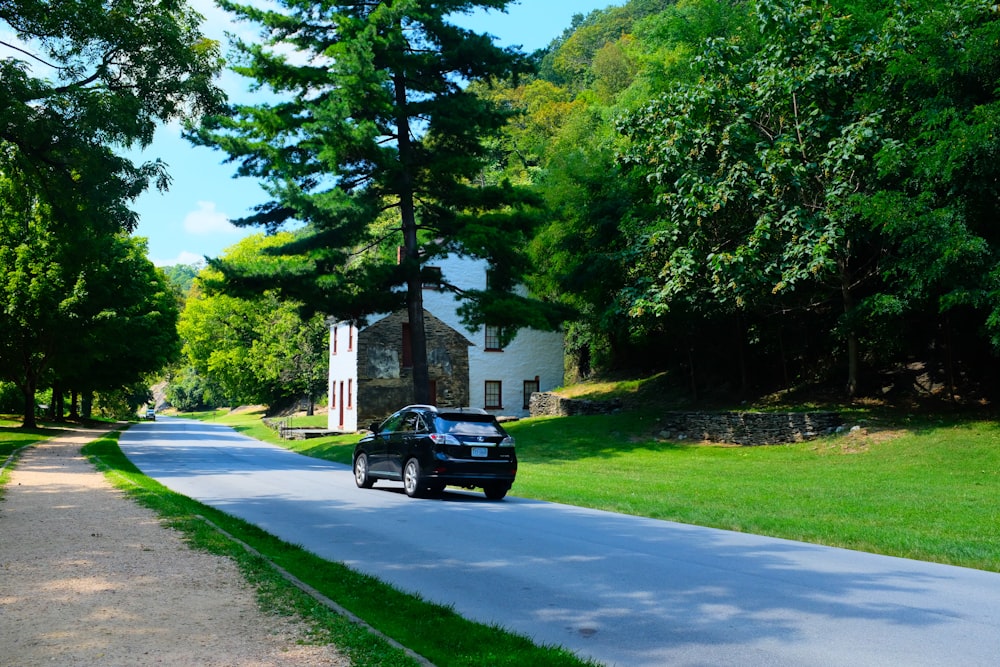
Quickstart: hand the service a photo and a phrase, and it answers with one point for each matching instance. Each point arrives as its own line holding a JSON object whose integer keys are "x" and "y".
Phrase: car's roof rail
{"x": 454, "y": 411}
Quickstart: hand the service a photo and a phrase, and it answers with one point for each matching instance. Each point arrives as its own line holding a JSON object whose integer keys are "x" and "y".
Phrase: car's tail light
{"x": 444, "y": 439}
{"x": 507, "y": 442}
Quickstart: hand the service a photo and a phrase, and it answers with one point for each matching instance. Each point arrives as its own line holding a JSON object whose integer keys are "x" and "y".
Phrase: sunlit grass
{"x": 13, "y": 437}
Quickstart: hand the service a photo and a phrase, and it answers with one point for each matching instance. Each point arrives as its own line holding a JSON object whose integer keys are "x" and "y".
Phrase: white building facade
{"x": 500, "y": 378}
{"x": 342, "y": 405}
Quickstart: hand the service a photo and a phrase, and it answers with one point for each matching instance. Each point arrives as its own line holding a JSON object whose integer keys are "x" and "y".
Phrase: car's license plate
{"x": 480, "y": 452}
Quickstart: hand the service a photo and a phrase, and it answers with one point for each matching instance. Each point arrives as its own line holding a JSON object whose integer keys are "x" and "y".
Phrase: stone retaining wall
{"x": 739, "y": 428}
{"x": 748, "y": 428}
{"x": 545, "y": 404}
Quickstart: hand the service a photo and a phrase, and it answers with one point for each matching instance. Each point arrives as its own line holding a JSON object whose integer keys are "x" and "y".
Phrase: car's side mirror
{"x": 374, "y": 428}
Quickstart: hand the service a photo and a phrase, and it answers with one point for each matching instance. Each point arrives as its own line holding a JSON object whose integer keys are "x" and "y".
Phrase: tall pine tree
{"x": 376, "y": 144}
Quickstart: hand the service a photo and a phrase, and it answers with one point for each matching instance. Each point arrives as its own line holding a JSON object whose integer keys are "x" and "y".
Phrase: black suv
{"x": 429, "y": 448}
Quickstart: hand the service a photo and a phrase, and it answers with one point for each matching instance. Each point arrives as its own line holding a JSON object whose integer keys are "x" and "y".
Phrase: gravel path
{"x": 89, "y": 577}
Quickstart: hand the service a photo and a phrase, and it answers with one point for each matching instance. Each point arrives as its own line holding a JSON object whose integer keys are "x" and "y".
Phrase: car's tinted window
{"x": 413, "y": 423}
{"x": 391, "y": 425}
{"x": 465, "y": 427}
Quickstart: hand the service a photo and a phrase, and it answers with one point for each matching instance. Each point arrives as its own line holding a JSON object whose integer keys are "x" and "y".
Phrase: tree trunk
{"x": 694, "y": 377}
{"x": 28, "y": 391}
{"x": 74, "y": 404}
{"x": 741, "y": 355}
{"x": 411, "y": 259}
{"x": 852, "y": 336}
{"x": 56, "y": 409}
{"x": 87, "y": 405}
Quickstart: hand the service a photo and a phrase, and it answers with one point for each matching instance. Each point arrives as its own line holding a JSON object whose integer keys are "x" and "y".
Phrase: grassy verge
{"x": 13, "y": 438}
{"x": 915, "y": 488}
{"x": 433, "y": 631}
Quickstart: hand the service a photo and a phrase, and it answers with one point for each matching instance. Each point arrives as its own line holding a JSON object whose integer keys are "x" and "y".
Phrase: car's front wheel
{"x": 361, "y": 476}
{"x": 412, "y": 483}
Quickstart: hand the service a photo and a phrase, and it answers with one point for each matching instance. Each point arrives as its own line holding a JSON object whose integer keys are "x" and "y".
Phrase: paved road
{"x": 622, "y": 590}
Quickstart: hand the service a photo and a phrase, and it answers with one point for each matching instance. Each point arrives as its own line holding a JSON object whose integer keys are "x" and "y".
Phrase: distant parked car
{"x": 151, "y": 414}
{"x": 428, "y": 449}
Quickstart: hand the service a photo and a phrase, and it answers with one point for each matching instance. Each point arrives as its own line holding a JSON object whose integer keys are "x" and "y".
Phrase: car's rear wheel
{"x": 412, "y": 483}
{"x": 361, "y": 476}
{"x": 496, "y": 491}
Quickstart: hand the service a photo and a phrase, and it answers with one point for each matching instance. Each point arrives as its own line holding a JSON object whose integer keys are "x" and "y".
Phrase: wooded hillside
{"x": 762, "y": 195}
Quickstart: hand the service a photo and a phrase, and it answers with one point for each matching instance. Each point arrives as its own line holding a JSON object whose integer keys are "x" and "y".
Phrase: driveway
{"x": 619, "y": 589}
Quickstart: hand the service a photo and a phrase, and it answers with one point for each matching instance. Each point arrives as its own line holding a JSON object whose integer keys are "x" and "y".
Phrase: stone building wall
{"x": 385, "y": 385}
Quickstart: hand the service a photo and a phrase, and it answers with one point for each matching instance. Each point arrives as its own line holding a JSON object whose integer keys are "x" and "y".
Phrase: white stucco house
{"x": 369, "y": 372}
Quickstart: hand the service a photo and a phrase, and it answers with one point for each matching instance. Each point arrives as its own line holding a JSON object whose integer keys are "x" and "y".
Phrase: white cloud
{"x": 207, "y": 220}
{"x": 184, "y": 257}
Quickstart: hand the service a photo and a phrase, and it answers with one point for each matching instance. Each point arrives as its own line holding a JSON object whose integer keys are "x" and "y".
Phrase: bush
{"x": 11, "y": 399}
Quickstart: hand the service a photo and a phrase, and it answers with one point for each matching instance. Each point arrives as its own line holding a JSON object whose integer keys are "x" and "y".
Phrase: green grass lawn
{"x": 921, "y": 489}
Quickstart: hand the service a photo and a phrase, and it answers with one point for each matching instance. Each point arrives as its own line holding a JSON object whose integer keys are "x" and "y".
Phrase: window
{"x": 493, "y": 395}
{"x": 350, "y": 392}
{"x": 335, "y": 329}
{"x": 411, "y": 421}
{"x": 350, "y": 338}
{"x": 431, "y": 277}
{"x": 392, "y": 424}
{"x": 493, "y": 338}
{"x": 530, "y": 387}
{"x": 407, "y": 347}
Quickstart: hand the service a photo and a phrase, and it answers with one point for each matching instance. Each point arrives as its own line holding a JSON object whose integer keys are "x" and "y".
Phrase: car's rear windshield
{"x": 469, "y": 426}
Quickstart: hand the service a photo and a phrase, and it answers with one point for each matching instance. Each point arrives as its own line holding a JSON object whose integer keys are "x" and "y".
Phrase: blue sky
{"x": 191, "y": 220}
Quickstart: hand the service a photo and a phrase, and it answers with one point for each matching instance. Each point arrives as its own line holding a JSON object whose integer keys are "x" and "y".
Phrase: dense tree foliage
{"x": 81, "y": 313}
{"x": 181, "y": 278}
{"x": 249, "y": 350}
{"x": 762, "y": 193}
{"x": 80, "y": 302}
{"x": 377, "y": 144}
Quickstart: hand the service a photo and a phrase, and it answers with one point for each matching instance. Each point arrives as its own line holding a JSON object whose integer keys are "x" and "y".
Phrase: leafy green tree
{"x": 83, "y": 76}
{"x": 181, "y": 278}
{"x": 80, "y": 79}
{"x": 37, "y": 295}
{"x": 941, "y": 174}
{"x": 759, "y": 163}
{"x": 125, "y": 325}
{"x": 255, "y": 349}
{"x": 188, "y": 391}
{"x": 85, "y": 313}
{"x": 565, "y": 141}
{"x": 839, "y": 151}
{"x": 375, "y": 117}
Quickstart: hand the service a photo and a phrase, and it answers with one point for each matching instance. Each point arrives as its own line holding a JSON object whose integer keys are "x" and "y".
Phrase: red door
{"x": 341, "y": 405}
